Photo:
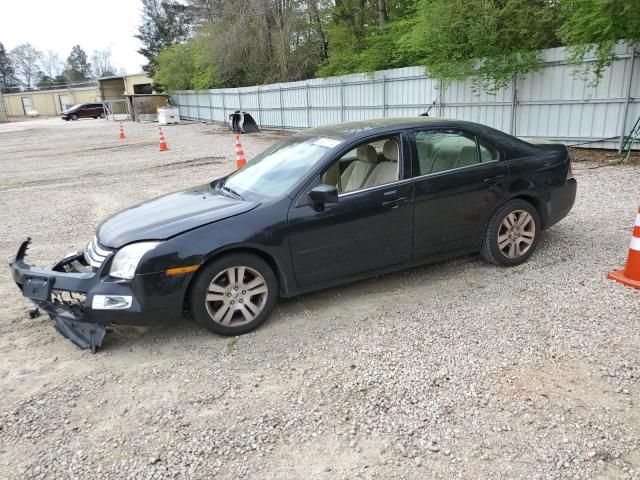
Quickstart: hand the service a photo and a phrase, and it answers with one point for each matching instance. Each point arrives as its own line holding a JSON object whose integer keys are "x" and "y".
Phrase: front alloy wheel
{"x": 234, "y": 294}
{"x": 511, "y": 234}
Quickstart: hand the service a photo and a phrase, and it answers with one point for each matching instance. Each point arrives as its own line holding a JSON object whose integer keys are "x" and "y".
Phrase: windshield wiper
{"x": 231, "y": 191}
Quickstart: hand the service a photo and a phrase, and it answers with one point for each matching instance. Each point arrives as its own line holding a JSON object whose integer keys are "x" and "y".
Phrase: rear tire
{"x": 512, "y": 234}
{"x": 233, "y": 294}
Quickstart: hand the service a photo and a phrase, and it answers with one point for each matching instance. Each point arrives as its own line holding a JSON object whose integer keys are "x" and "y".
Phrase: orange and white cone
{"x": 163, "y": 145}
{"x": 630, "y": 275}
{"x": 121, "y": 136}
{"x": 241, "y": 161}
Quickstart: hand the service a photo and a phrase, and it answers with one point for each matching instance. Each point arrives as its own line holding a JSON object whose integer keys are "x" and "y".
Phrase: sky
{"x": 59, "y": 25}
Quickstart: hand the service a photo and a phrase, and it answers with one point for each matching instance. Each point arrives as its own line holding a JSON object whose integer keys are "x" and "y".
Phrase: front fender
{"x": 262, "y": 231}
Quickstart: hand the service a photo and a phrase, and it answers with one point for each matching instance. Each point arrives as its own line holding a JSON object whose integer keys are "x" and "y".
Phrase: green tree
{"x": 50, "y": 64}
{"x": 77, "y": 68}
{"x": 593, "y": 27}
{"x": 25, "y": 59}
{"x": 180, "y": 67}
{"x": 487, "y": 40}
{"x": 363, "y": 36}
{"x": 46, "y": 82}
{"x": 8, "y": 80}
{"x": 164, "y": 23}
{"x": 207, "y": 43}
{"x": 101, "y": 63}
{"x": 247, "y": 42}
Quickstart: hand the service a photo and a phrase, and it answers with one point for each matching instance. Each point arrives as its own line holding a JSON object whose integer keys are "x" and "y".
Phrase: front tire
{"x": 74, "y": 117}
{"x": 234, "y": 294}
{"x": 512, "y": 234}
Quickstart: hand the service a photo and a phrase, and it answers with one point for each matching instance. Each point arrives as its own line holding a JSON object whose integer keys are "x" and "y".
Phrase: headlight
{"x": 126, "y": 261}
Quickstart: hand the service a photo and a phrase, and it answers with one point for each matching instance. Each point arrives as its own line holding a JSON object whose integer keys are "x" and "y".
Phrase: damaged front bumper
{"x": 61, "y": 292}
{"x": 84, "y": 300}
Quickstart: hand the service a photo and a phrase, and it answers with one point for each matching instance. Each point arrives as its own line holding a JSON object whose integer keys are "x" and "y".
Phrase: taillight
{"x": 570, "y": 171}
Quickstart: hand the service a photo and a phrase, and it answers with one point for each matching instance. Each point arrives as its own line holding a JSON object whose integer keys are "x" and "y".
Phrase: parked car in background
{"x": 324, "y": 207}
{"x": 83, "y": 110}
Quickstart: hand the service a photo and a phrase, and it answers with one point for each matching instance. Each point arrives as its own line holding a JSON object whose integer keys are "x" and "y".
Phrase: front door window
{"x": 369, "y": 165}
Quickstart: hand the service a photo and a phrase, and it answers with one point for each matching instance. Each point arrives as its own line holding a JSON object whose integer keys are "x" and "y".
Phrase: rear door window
{"x": 444, "y": 150}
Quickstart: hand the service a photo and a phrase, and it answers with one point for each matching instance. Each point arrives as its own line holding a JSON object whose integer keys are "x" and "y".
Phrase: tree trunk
{"x": 316, "y": 23}
{"x": 382, "y": 13}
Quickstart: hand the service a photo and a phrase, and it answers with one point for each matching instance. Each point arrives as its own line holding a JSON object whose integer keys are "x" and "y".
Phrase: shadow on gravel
{"x": 299, "y": 312}
{"x": 359, "y": 298}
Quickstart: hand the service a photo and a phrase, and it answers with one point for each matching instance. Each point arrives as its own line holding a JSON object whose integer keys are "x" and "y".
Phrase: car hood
{"x": 68, "y": 110}
{"x": 169, "y": 215}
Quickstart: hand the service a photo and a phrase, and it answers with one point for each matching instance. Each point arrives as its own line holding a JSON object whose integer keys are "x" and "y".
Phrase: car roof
{"x": 379, "y": 125}
{"x": 355, "y": 131}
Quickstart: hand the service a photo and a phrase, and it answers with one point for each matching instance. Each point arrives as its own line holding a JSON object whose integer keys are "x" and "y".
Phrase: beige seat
{"x": 425, "y": 157}
{"x": 466, "y": 157}
{"x": 358, "y": 171}
{"x": 444, "y": 159}
{"x": 387, "y": 170}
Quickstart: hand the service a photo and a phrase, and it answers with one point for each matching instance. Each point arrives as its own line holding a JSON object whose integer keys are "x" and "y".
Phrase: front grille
{"x": 94, "y": 255}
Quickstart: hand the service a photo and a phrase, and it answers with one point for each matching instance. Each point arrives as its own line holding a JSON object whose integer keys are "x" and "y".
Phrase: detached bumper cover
{"x": 73, "y": 294}
{"x": 84, "y": 335}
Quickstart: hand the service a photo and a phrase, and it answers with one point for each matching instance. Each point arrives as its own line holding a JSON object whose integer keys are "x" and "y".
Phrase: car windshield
{"x": 276, "y": 170}
{"x": 76, "y": 106}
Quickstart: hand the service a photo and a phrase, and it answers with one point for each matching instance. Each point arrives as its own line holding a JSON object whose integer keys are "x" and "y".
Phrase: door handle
{"x": 492, "y": 180}
{"x": 395, "y": 202}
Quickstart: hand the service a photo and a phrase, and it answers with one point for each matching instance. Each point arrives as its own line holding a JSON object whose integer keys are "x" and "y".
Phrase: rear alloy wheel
{"x": 512, "y": 234}
{"x": 234, "y": 294}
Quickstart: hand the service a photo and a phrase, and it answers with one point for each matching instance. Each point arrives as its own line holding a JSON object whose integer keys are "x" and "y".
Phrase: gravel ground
{"x": 455, "y": 370}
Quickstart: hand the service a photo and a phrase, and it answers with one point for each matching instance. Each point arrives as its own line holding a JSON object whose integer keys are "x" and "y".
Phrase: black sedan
{"x": 324, "y": 207}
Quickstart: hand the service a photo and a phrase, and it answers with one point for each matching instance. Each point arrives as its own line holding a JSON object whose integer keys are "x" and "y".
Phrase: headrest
{"x": 390, "y": 150}
{"x": 468, "y": 152}
{"x": 366, "y": 153}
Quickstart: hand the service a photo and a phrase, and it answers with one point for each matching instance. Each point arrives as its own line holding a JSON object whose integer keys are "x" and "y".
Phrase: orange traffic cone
{"x": 163, "y": 145}
{"x": 121, "y": 137}
{"x": 240, "y": 160}
{"x": 630, "y": 275}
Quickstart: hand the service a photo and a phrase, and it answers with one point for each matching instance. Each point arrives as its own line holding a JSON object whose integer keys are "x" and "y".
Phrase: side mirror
{"x": 324, "y": 194}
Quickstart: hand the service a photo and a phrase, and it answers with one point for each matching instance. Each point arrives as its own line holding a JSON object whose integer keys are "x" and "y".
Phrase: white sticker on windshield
{"x": 327, "y": 142}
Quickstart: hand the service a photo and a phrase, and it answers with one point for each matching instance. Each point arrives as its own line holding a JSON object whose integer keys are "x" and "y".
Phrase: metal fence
{"x": 553, "y": 103}
{"x": 3, "y": 113}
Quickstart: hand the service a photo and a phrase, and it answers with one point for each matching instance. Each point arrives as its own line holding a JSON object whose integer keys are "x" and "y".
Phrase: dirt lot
{"x": 459, "y": 369}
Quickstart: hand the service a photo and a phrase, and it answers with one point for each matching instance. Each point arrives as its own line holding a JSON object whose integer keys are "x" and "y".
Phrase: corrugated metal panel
{"x": 553, "y": 103}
